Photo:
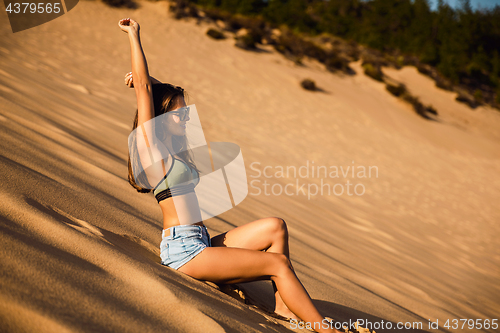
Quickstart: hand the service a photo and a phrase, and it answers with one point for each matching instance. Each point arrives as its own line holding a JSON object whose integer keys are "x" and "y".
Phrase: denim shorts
{"x": 183, "y": 244}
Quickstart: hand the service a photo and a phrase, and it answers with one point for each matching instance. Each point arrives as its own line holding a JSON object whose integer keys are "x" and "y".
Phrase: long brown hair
{"x": 164, "y": 98}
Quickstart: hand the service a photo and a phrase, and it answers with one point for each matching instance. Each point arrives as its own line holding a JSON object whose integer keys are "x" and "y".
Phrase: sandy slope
{"x": 80, "y": 247}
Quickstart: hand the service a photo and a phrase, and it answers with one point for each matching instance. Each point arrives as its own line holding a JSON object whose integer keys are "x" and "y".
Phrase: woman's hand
{"x": 128, "y": 25}
{"x": 129, "y": 81}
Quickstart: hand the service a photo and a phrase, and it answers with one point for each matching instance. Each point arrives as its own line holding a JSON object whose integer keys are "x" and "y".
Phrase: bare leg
{"x": 268, "y": 234}
{"x": 234, "y": 265}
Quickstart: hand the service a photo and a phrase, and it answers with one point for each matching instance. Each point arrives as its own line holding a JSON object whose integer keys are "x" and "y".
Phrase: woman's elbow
{"x": 144, "y": 85}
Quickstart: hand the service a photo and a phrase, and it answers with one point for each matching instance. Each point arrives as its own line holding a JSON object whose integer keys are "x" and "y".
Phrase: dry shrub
{"x": 295, "y": 47}
{"x": 396, "y": 89}
{"x": 215, "y": 34}
{"x": 374, "y": 57}
{"x": 291, "y": 45}
{"x": 478, "y": 96}
{"x": 183, "y": 8}
{"x": 430, "y": 109}
{"x": 424, "y": 69}
{"x": 464, "y": 98}
{"x": 121, "y": 3}
{"x": 308, "y": 84}
{"x": 255, "y": 24}
{"x": 351, "y": 49}
{"x": 419, "y": 108}
{"x": 246, "y": 42}
{"x": 399, "y": 90}
{"x": 395, "y": 60}
{"x": 443, "y": 83}
{"x": 335, "y": 62}
{"x": 373, "y": 71}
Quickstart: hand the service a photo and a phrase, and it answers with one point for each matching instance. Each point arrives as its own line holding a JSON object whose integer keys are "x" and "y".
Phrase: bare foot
{"x": 285, "y": 312}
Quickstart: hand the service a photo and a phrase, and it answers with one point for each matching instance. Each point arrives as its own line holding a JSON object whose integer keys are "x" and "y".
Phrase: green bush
{"x": 478, "y": 96}
{"x": 373, "y": 71}
{"x": 400, "y": 61}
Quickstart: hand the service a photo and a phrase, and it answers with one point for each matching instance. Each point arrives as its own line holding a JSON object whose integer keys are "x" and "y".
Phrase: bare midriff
{"x": 181, "y": 210}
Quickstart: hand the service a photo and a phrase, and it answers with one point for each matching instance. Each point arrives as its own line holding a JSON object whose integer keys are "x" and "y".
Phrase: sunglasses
{"x": 182, "y": 113}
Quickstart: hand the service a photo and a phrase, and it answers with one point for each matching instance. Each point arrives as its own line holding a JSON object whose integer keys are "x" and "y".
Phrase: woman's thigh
{"x": 234, "y": 265}
{"x": 256, "y": 235}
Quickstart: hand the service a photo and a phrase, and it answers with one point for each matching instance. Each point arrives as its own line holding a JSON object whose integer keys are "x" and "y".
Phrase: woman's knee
{"x": 278, "y": 226}
{"x": 281, "y": 265}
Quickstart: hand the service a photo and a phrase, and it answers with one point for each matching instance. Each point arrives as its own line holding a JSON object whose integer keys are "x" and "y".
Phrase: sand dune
{"x": 80, "y": 247}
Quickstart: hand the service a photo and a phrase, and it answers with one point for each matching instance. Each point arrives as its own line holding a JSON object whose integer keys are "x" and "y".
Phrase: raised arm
{"x": 140, "y": 73}
{"x": 146, "y": 147}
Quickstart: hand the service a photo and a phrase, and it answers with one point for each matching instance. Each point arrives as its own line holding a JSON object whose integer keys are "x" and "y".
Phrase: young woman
{"x": 255, "y": 251}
